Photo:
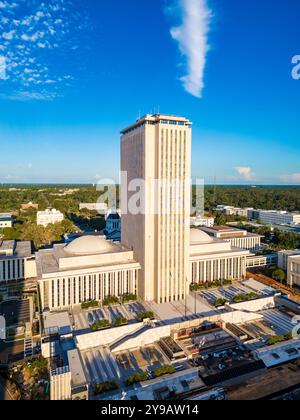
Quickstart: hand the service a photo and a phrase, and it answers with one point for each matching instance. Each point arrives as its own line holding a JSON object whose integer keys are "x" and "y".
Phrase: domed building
{"x": 213, "y": 259}
{"x": 92, "y": 268}
{"x": 89, "y": 268}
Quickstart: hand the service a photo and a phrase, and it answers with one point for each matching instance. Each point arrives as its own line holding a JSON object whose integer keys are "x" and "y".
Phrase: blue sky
{"x": 78, "y": 72}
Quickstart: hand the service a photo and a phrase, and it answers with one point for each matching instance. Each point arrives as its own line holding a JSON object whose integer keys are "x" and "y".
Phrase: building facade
{"x": 212, "y": 259}
{"x": 60, "y": 384}
{"x": 272, "y": 217}
{"x": 237, "y": 237}
{"x": 290, "y": 262}
{"x": 293, "y": 270}
{"x": 16, "y": 261}
{"x": 202, "y": 221}
{"x": 234, "y": 211}
{"x": 157, "y": 150}
{"x": 283, "y": 257}
{"x": 89, "y": 268}
{"x": 6, "y": 220}
{"x": 49, "y": 216}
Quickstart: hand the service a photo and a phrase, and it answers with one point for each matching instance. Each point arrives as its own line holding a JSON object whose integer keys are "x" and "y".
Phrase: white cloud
{"x": 245, "y": 172}
{"x": 192, "y": 37}
{"x": 26, "y": 43}
{"x": 294, "y": 178}
{"x": 7, "y": 5}
{"x": 8, "y": 35}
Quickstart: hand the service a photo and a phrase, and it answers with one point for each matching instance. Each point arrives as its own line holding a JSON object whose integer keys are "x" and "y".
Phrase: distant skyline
{"x": 77, "y": 73}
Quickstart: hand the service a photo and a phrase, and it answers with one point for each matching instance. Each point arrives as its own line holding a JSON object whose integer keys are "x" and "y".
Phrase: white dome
{"x": 198, "y": 236}
{"x": 89, "y": 245}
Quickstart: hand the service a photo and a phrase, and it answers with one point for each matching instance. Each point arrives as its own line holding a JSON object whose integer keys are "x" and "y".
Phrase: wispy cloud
{"x": 34, "y": 36}
{"x": 293, "y": 178}
{"x": 245, "y": 172}
{"x": 192, "y": 37}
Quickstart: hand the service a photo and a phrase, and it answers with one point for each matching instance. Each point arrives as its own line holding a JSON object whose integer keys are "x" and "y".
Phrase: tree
{"x": 279, "y": 275}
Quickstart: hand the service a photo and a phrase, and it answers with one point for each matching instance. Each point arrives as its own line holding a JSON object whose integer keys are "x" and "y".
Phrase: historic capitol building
{"x": 159, "y": 256}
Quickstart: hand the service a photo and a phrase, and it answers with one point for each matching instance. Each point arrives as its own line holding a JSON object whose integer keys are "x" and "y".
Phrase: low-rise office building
{"x": 202, "y": 221}
{"x": 283, "y": 257}
{"x": 290, "y": 262}
{"x": 6, "y": 220}
{"x": 237, "y": 237}
{"x": 49, "y": 216}
{"x": 234, "y": 211}
{"x": 16, "y": 261}
{"x": 293, "y": 271}
{"x": 273, "y": 217}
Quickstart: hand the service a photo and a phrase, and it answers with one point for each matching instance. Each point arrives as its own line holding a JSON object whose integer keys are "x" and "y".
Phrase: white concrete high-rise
{"x": 157, "y": 150}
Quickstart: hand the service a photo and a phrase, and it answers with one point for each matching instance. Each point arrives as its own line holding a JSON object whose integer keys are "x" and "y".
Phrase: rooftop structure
{"x": 57, "y": 323}
{"x": 79, "y": 383}
{"x": 237, "y": 237}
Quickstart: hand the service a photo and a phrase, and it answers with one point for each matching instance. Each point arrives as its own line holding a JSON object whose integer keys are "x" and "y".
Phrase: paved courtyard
{"x": 84, "y": 319}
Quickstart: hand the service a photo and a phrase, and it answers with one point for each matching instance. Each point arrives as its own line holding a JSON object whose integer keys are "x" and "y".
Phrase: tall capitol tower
{"x": 157, "y": 149}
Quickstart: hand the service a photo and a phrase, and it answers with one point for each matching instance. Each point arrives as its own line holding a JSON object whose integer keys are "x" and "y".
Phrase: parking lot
{"x": 280, "y": 323}
{"x": 256, "y": 333}
{"x": 16, "y": 312}
{"x": 101, "y": 365}
{"x": 228, "y": 293}
{"x": 84, "y": 319}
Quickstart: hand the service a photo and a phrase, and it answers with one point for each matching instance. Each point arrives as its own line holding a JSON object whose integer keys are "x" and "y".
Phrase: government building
{"x": 16, "y": 261}
{"x": 89, "y": 268}
{"x": 159, "y": 255}
{"x": 214, "y": 259}
{"x": 158, "y": 148}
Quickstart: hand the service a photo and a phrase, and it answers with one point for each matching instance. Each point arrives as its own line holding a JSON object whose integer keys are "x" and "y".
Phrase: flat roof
{"x": 15, "y": 249}
{"x": 58, "y": 320}
{"x": 47, "y": 260}
{"x": 279, "y": 353}
{"x": 222, "y": 228}
{"x": 156, "y": 118}
{"x": 76, "y": 368}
